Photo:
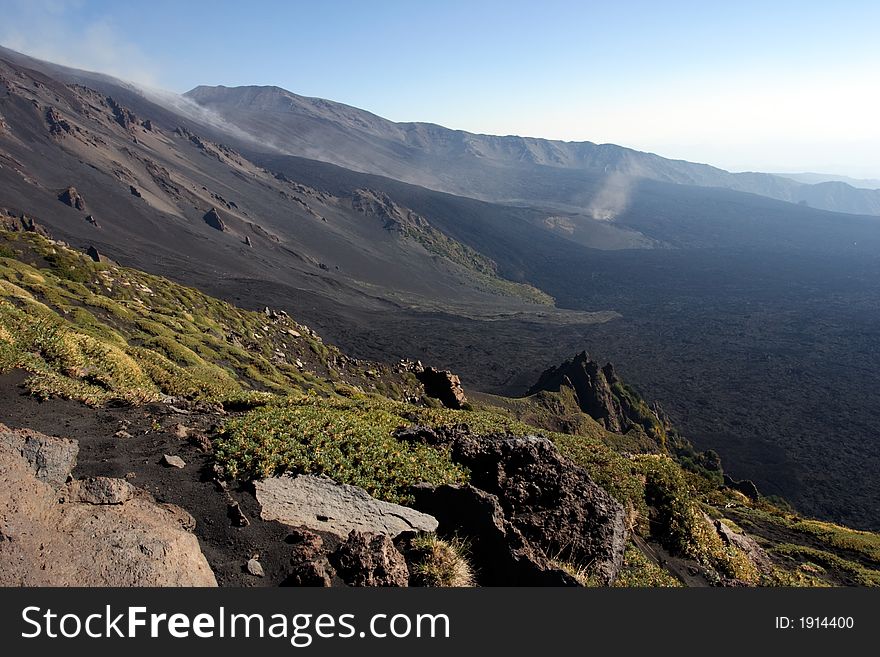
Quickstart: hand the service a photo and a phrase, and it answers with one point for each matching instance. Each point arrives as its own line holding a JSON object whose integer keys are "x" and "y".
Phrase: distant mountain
{"x": 482, "y": 166}
{"x": 815, "y": 178}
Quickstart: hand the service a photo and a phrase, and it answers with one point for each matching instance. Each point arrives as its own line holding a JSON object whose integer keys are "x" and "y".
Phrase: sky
{"x": 746, "y": 85}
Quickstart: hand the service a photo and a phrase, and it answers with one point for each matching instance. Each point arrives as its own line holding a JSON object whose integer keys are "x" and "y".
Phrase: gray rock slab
{"x": 323, "y": 505}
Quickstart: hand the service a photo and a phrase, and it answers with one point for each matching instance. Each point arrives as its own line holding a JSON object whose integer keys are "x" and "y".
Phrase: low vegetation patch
{"x": 439, "y": 562}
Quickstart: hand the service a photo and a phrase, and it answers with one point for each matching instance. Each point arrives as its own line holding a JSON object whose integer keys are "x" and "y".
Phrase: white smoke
{"x": 612, "y": 198}
{"x": 190, "y": 109}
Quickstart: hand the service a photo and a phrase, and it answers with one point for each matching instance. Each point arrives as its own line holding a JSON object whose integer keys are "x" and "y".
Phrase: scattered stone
{"x": 366, "y": 559}
{"x": 173, "y": 461}
{"x": 122, "y": 434}
{"x": 212, "y": 218}
{"x": 72, "y": 198}
{"x": 255, "y": 568}
{"x": 323, "y": 505}
{"x": 148, "y": 125}
{"x": 181, "y": 431}
{"x": 134, "y": 191}
{"x": 443, "y": 385}
{"x": 92, "y": 220}
{"x": 247, "y": 241}
{"x": 51, "y": 459}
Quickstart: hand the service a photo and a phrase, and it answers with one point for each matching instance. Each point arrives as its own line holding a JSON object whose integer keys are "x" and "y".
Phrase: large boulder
{"x": 321, "y": 504}
{"x": 96, "y": 532}
{"x": 498, "y": 552}
{"x": 552, "y": 502}
{"x": 72, "y": 198}
{"x": 213, "y": 219}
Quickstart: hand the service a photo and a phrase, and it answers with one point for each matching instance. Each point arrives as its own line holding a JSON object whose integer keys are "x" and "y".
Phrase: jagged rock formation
{"x": 72, "y": 198}
{"x": 321, "y": 504}
{"x": 524, "y": 505}
{"x": 601, "y": 395}
{"x": 442, "y": 385}
{"x": 58, "y": 125}
{"x": 91, "y": 532}
{"x": 212, "y": 218}
{"x": 123, "y": 116}
{"x": 592, "y": 388}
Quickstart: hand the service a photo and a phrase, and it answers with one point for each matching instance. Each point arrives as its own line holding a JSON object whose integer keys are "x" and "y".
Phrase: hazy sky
{"x": 772, "y": 85}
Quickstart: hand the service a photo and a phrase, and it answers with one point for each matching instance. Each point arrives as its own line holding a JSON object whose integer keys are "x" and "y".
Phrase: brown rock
{"x": 99, "y": 490}
{"x": 58, "y": 125}
{"x": 308, "y": 559}
{"x": 443, "y": 385}
{"x": 72, "y": 198}
{"x": 59, "y": 541}
{"x": 370, "y": 560}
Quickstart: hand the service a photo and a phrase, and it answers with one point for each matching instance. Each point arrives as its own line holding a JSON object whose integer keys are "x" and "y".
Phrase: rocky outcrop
{"x": 97, "y": 256}
{"x": 604, "y": 397}
{"x": 499, "y": 553}
{"x": 212, "y": 218}
{"x": 744, "y": 486}
{"x": 526, "y": 503}
{"x": 592, "y": 388}
{"x": 366, "y": 559}
{"x": 20, "y": 223}
{"x": 122, "y": 115}
{"x": 91, "y": 532}
{"x": 323, "y": 505}
{"x": 378, "y": 204}
{"x": 442, "y": 385}
{"x": 72, "y": 198}
{"x": 58, "y": 125}
{"x": 746, "y": 543}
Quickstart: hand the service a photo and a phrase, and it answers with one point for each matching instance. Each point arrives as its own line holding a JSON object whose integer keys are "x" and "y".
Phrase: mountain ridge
{"x": 302, "y": 121}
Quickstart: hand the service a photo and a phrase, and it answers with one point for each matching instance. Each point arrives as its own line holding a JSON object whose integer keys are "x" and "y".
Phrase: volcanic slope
{"x": 134, "y": 366}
